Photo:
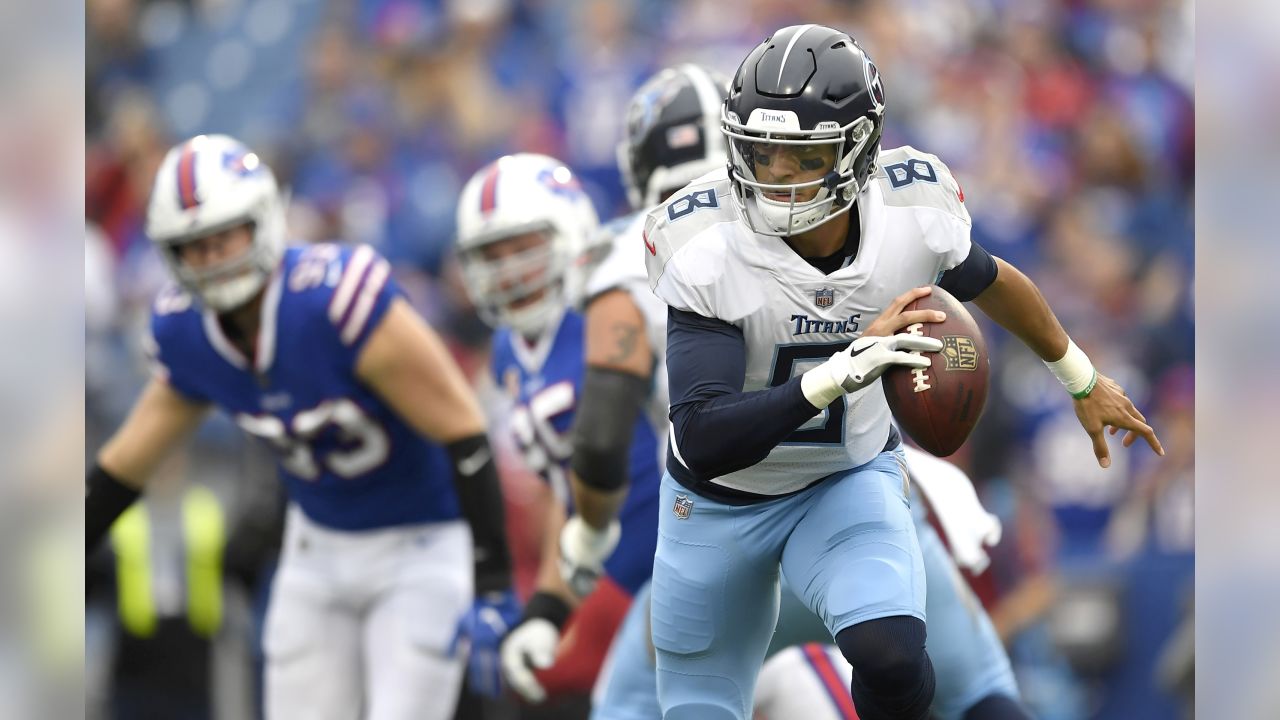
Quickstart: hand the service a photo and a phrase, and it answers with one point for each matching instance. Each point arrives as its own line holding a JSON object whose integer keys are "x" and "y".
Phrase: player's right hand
{"x": 531, "y": 645}
{"x": 867, "y": 358}
{"x": 583, "y": 550}
{"x": 862, "y": 363}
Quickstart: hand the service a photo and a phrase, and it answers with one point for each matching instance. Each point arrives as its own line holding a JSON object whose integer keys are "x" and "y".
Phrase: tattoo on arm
{"x": 625, "y": 336}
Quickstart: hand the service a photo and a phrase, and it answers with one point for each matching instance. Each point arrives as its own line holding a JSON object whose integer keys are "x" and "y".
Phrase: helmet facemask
{"x": 836, "y": 191}
{"x": 232, "y": 283}
{"x": 208, "y": 185}
{"x": 521, "y": 285}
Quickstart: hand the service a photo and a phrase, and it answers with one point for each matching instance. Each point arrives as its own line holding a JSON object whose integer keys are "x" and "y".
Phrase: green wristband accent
{"x": 1088, "y": 388}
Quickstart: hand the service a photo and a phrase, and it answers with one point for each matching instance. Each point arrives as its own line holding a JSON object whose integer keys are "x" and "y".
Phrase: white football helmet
{"x": 520, "y": 195}
{"x": 208, "y": 184}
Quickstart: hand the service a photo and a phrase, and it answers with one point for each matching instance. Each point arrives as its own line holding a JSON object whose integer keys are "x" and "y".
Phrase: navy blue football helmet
{"x": 672, "y": 133}
{"x": 804, "y": 85}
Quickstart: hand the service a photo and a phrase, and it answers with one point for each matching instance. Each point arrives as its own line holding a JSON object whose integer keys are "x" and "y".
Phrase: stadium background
{"x": 1069, "y": 124}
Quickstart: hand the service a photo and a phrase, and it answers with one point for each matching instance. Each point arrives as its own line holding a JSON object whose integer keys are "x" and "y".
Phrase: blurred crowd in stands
{"x": 1069, "y": 124}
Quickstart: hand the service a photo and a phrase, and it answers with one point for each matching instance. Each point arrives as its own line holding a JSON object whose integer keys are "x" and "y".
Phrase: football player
{"x": 787, "y": 277}
{"x": 524, "y": 224}
{"x": 672, "y": 138}
{"x": 381, "y": 444}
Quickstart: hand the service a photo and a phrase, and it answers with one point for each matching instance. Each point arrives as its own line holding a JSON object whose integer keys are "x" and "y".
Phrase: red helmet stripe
{"x": 489, "y": 191}
{"x": 838, "y": 689}
{"x": 187, "y": 178}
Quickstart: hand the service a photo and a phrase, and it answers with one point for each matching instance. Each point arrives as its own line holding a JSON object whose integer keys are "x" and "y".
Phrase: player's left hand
{"x": 1109, "y": 406}
{"x": 481, "y": 631}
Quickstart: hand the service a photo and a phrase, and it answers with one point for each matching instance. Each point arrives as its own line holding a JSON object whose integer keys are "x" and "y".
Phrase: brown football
{"x": 939, "y": 406}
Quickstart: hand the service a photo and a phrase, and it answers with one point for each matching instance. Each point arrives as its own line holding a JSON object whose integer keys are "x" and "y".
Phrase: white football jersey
{"x": 623, "y": 269}
{"x": 701, "y": 257}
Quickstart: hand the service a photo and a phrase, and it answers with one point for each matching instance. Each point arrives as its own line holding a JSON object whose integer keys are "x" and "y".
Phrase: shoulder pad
{"x": 622, "y": 265}
{"x": 683, "y": 219}
{"x": 911, "y": 178}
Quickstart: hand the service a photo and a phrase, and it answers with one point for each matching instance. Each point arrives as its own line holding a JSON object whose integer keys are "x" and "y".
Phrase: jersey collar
{"x": 266, "y": 347}
{"x": 533, "y": 356}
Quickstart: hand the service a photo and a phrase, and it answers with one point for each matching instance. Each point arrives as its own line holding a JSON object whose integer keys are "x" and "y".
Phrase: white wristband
{"x": 820, "y": 387}
{"x": 1074, "y": 371}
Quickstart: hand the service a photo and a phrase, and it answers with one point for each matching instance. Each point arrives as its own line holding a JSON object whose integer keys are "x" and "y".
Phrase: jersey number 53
{"x": 363, "y": 444}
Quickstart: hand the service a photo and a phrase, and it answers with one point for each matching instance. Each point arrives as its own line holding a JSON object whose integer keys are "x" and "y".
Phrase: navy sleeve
{"x": 968, "y": 279}
{"x": 719, "y": 428}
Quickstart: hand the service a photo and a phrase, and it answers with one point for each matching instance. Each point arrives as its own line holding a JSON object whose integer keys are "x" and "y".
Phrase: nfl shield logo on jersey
{"x": 824, "y": 297}
{"x": 683, "y": 507}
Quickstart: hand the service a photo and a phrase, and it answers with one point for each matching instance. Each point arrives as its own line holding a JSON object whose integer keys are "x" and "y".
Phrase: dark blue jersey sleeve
{"x": 719, "y": 428}
{"x": 171, "y": 341}
{"x": 968, "y": 279}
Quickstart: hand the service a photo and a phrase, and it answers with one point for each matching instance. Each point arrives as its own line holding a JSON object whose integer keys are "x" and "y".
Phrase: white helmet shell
{"x": 207, "y": 184}
{"x": 516, "y": 195}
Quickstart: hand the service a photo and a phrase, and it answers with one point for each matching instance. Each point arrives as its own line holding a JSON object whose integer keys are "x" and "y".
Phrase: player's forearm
{"x": 475, "y": 477}
{"x": 718, "y": 428}
{"x": 725, "y": 434}
{"x": 159, "y": 421}
{"x": 602, "y": 433}
{"x": 598, "y": 507}
{"x": 1016, "y": 304}
{"x": 549, "y": 580}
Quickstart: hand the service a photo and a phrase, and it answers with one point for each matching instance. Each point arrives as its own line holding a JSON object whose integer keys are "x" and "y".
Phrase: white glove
{"x": 583, "y": 550}
{"x": 531, "y": 645}
{"x": 950, "y": 495}
{"x": 862, "y": 363}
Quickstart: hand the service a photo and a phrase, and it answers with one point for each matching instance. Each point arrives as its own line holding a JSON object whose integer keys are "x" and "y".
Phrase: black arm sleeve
{"x": 968, "y": 279}
{"x": 604, "y": 425}
{"x": 475, "y": 477}
{"x": 104, "y": 500}
{"x": 718, "y": 427}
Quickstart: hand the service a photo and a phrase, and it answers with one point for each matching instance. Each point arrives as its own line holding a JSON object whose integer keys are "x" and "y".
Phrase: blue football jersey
{"x": 347, "y": 459}
{"x": 545, "y": 380}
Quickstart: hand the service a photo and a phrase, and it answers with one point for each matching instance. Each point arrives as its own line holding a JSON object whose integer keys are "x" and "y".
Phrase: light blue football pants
{"x": 846, "y": 545}
{"x": 969, "y": 661}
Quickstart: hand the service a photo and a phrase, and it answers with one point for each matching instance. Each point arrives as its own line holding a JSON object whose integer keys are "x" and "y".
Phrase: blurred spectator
{"x": 115, "y": 58}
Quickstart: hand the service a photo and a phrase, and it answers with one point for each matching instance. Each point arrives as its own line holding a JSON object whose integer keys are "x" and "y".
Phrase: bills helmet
{"x": 212, "y": 183}
{"x": 523, "y": 196}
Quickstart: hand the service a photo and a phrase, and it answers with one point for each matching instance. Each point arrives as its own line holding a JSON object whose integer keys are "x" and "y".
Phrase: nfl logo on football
{"x": 824, "y": 297}
{"x": 683, "y": 507}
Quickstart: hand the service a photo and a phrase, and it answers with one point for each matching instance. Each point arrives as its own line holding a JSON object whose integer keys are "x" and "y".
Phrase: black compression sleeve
{"x": 549, "y": 607}
{"x": 475, "y": 477}
{"x": 968, "y": 279}
{"x": 719, "y": 428}
{"x": 105, "y": 499}
{"x": 604, "y": 426}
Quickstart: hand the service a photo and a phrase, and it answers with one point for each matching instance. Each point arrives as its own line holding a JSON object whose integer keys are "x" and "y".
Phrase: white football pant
{"x": 360, "y": 623}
